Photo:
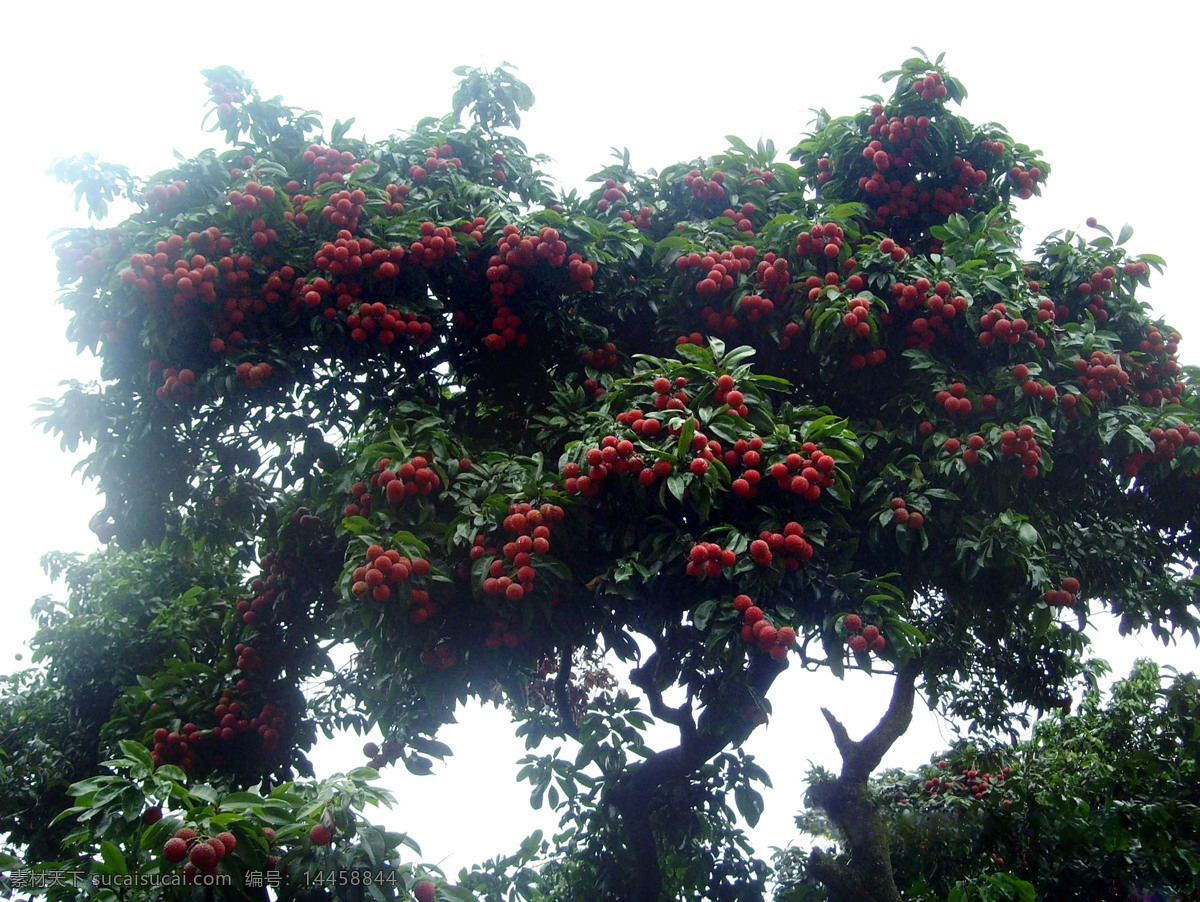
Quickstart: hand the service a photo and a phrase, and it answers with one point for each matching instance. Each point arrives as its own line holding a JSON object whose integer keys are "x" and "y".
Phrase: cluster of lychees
{"x": 203, "y": 853}
{"x": 758, "y": 630}
{"x": 1167, "y": 443}
{"x": 253, "y": 375}
{"x": 184, "y": 746}
{"x": 188, "y": 280}
{"x": 718, "y": 269}
{"x": 252, "y": 198}
{"x": 901, "y": 515}
{"x": 971, "y": 782}
{"x": 806, "y": 473}
{"x": 772, "y": 277}
{"x": 177, "y": 384}
{"x": 381, "y": 755}
{"x": 602, "y": 357}
{"x": 954, "y": 400}
{"x": 397, "y": 195}
{"x": 331, "y": 165}
{"x": 823, "y": 239}
{"x": 1102, "y": 375}
{"x": 512, "y": 575}
{"x": 384, "y": 325}
{"x": 161, "y": 196}
{"x": 712, "y": 188}
{"x": 436, "y": 159}
{"x": 265, "y": 592}
{"x": 616, "y": 195}
{"x": 612, "y": 456}
{"x": 863, "y": 638}
{"x": 790, "y": 545}
{"x": 613, "y": 194}
{"x": 998, "y": 326}
{"x": 1031, "y": 387}
{"x": 745, "y": 453}
{"x": 1155, "y": 381}
{"x": 709, "y": 559}
{"x": 384, "y": 570}
{"x": 1093, "y": 289}
{"x": 347, "y": 254}
{"x": 1065, "y": 595}
{"x": 517, "y": 252}
{"x": 1023, "y": 444}
{"x": 741, "y": 217}
{"x": 435, "y": 243}
{"x": 505, "y": 275}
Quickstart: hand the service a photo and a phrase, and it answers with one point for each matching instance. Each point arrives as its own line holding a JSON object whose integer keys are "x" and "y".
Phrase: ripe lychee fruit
{"x": 174, "y": 850}
{"x": 203, "y": 856}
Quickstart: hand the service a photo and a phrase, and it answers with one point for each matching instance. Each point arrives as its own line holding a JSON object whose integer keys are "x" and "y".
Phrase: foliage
{"x": 127, "y": 616}
{"x": 122, "y": 836}
{"x": 1101, "y": 804}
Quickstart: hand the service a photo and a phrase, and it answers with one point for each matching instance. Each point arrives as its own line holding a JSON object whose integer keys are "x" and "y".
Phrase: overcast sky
{"x": 1106, "y": 92}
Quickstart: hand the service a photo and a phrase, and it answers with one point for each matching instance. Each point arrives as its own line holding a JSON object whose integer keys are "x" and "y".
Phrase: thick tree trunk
{"x": 868, "y": 878}
{"x": 868, "y": 875}
{"x": 646, "y": 883}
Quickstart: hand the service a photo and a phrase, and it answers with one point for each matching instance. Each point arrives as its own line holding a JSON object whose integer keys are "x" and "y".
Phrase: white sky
{"x": 1106, "y": 91}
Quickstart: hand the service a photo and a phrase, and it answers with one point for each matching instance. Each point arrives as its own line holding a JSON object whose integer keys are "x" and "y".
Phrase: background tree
{"x": 708, "y": 420}
{"x": 1100, "y": 804}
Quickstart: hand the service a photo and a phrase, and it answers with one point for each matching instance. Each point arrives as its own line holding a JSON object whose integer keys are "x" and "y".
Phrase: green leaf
{"x": 374, "y": 846}
{"x": 676, "y": 485}
{"x": 703, "y": 613}
{"x": 241, "y": 801}
{"x": 367, "y": 170}
{"x": 356, "y": 525}
{"x": 114, "y": 861}
{"x": 749, "y": 804}
{"x": 685, "y": 438}
{"x": 944, "y": 494}
{"x": 68, "y": 813}
{"x": 458, "y": 893}
{"x": 170, "y": 772}
{"x": 137, "y": 751}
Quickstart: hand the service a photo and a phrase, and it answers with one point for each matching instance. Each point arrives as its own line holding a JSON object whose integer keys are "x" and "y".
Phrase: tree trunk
{"x": 646, "y": 885}
{"x": 868, "y": 875}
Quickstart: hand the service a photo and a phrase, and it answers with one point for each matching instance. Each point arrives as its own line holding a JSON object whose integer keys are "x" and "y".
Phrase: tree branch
{"x": 562, "y": 698}
{"x": 634, "y": 792}
{"x": 845, "y": 745}
{"x": 869, "y": 750}
{"x": 860, "y": 758}
{"x": 645, "y": 678}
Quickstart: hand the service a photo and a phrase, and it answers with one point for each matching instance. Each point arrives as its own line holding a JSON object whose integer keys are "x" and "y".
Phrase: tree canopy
{"x": 408, "y": 398}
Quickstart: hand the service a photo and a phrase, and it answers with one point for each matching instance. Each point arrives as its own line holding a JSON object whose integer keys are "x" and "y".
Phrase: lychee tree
{"x": 1098, "y": 804}
{"x": 718, "y": 420}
